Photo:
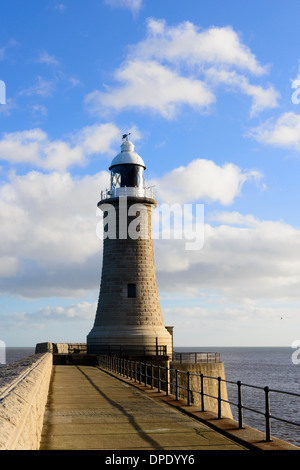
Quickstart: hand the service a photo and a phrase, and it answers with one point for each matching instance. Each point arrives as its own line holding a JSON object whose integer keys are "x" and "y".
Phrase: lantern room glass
{"x": 128, "y": 175}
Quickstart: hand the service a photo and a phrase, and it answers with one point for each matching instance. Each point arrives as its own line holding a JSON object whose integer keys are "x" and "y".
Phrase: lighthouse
{"x": 128, "y": 319}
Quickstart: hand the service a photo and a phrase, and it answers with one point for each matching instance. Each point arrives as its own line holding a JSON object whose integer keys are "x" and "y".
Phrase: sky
{"x": 210, "y": 92}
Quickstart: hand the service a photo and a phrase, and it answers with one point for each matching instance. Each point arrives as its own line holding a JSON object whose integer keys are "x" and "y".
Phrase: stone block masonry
{"x": 126, "y": 319}
{"x": 24, "y": 389}
{"x": 211, "y": 371}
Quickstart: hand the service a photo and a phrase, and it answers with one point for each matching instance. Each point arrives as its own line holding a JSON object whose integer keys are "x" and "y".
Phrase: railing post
{"x": 240, "y": 405}
{"x": 267, "y": 415}
{"x": 151, "y": 378}
{"x": 167, "y": 380}
{"x": 188, "y": 390}
{"x": 140, "y": 378}
{"x": 135, "y": 371}
{"x": 219, "y": 398}
{"x": 146, "y": 371}
{"x": 202, "y": 392}
{"x": 176, "y": 384}
{"x": 158, "y": 379}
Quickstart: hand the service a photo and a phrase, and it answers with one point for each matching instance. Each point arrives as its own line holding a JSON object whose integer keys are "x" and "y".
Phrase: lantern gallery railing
{"x": 129, "y": 192}
{"x": 179, "y": 383}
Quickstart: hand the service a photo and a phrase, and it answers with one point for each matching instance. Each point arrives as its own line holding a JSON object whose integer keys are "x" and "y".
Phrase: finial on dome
{"x": 127, "y": 156}
{"x": 125, "y": 136}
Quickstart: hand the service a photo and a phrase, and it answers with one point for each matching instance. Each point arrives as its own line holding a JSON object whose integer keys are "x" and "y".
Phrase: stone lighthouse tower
{"x": 128, "y": 319}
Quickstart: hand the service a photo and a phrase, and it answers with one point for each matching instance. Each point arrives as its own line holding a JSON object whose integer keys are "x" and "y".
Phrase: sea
{"x": 275, "y": 367}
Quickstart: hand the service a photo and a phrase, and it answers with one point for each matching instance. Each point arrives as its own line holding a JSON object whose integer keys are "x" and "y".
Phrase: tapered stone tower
{"x": 128, "y": 319}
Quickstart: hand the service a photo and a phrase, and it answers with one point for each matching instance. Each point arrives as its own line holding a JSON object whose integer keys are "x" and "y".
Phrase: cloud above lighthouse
{"x": 183, "y": 65}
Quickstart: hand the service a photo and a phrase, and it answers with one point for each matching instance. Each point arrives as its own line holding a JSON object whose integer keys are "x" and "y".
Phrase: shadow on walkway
{"x": 130, "y": 418}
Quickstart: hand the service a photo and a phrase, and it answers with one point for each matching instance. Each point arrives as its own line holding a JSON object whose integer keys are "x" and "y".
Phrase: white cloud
{"x": 262, "y": 97}
{"x": 244, "y": 260}
{"x": 42, "y": 88}
{"x": 98, "y": 138}
{"x": 203, "y": 180}
{"x": 188, "y": 44}
{"x": 149, "y": 85}
{"x": 48, "y": 241}
{"x": 79, "y": 313}
{"x": 284, "y": 132}
{"x": 3, "y": 50}
{"x": 5, "y": 109}
{"x": 60, "y": 7}
{"x": 45, "y": 58}
{"x": 35, "y": 148}
{"x": 133, "y": 5}
{"x": 183, "y": 65}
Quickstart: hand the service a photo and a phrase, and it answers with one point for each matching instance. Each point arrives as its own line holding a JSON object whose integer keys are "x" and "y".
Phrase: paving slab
{"x": 88, "y": 409}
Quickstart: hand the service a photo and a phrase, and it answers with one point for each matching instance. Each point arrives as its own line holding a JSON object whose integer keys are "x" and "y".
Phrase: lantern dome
{"x": 127, "y": 156}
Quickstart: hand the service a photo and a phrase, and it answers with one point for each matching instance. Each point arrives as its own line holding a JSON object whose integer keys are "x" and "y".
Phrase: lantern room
{"x": 127, "y": 168}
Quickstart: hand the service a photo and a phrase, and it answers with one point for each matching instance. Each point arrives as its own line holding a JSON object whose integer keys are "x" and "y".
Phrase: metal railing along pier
{"x": 151, "y": 375}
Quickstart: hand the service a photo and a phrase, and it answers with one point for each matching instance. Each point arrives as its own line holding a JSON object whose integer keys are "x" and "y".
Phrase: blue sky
{"x": 206, "y": 90}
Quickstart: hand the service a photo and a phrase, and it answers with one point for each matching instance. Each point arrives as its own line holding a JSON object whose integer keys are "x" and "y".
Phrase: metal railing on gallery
{"x": 151, "y": 374}
{"x": 128, "y": 192}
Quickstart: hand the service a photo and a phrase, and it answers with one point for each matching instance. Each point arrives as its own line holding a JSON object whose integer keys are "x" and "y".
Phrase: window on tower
{"x": 131, "y": 290}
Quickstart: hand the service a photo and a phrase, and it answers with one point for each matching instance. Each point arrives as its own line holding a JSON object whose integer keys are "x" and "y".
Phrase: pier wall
{"x": 210, "y": 384}
{"x": 23, "y": 397}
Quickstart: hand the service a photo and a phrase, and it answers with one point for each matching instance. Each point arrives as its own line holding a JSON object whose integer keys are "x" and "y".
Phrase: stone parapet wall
{"x": 24, "y": 389}
{"x": 60, "y": 348}
{"x": 211, "y": 372}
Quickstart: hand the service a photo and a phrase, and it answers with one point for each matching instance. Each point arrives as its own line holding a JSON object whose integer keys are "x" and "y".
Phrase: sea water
{"x": 15, "y": 354}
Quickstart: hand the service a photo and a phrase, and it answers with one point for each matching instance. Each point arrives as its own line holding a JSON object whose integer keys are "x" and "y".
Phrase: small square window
{"x": 131, "y": 290}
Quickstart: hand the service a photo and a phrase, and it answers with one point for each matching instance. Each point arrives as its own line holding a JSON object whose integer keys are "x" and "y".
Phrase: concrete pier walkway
{"x": 89, "y": 409}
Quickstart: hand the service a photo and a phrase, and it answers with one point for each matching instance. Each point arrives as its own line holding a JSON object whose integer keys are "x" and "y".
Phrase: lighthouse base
{"x": 138, "y": 341}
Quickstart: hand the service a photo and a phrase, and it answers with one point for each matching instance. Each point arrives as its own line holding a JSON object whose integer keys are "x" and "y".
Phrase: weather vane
{"x": 125, "y": 136}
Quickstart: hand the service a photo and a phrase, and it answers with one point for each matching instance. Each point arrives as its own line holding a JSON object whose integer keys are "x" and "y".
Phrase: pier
{"x": 90, "y": 409}
{"x": 66, "y": 401}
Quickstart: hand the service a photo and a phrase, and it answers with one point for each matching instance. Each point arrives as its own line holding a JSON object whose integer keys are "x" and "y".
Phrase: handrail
{"x": 147, "y": 192}
{"x": 140, "y": 373}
